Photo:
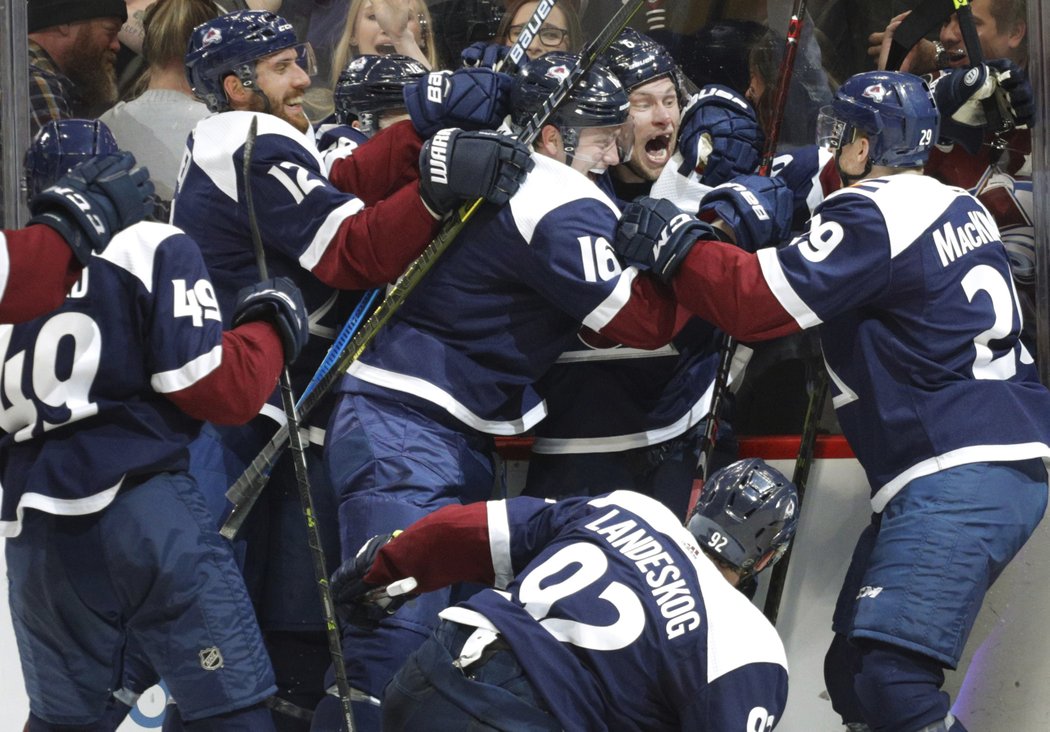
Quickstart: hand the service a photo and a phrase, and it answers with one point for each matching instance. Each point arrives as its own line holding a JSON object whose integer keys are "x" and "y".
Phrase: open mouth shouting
{"x": 658, "y": 151}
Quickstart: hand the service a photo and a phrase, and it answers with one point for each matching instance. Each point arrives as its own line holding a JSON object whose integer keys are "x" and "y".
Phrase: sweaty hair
{"x": 167, "y": 25}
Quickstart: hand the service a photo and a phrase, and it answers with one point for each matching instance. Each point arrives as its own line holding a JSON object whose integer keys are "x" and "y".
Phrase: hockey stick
{"x": 246, "y": 489}
{"x": 728, "y": 346}
{"x": 302, "y": 476}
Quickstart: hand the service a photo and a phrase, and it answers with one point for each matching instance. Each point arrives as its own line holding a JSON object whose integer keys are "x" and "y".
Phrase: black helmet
{"x": 597, "y": 100}
{"x": 745, "y": 510}
{"x": 370, "y": 85}
{"x": 637, "y": 59}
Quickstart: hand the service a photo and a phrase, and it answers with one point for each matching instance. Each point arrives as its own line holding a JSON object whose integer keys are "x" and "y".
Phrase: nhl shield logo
{"x": 211, "y": 658}
{"x": 877, "y": 92}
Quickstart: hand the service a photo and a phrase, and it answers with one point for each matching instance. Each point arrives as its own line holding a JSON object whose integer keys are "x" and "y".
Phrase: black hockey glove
{"x": 656, "y": 235}
{"x": 457, "y": 166}
{"x": 483, "y": 54}
{"x": 758, "y": 209}
{"x": 358, "y": 602}
{"x": 471, "y": 99}
{"x": 94, "y": 201}
{"x": 278, "y": 302}
{"x": 719, "y": 136}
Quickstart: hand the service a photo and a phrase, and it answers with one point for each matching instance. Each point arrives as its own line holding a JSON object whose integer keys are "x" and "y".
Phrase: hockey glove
{"x": 719, "y": 135}
{"x": 358, "y": 602}
{"x": 483, "y": 54}
{"x": 455, "y": 166}
{"x": 654, "y": 234}
{"x": 278, "y": 302}
{"x": 94, "y": 201}
{"x": 756, "y": 208}
{"x": 471, "y": 99}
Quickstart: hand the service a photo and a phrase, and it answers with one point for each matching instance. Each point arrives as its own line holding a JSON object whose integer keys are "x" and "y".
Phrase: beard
{"x": 259, "y": 101}
{"x": 93, "y": 71}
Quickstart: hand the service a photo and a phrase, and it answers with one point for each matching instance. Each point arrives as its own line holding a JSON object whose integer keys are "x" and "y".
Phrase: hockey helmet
{"x": 597, "y": 100}
{"x": 893, "y": 109}
{"x": 370, "y": 85}
{"x": 745, "y": 511}
{"x": 61, "y": 145}
{"x": 637, "y": 59}
{"x": 231, "y": 44}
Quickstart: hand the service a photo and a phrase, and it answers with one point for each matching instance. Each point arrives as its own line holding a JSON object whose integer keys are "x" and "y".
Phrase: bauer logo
{"x": 869, "y": 592}
{"x": 211, "y": 658}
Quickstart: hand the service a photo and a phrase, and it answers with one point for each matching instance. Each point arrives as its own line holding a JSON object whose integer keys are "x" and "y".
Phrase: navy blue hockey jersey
{"x": 83, "y": 388}
{"x": 621, "y": 622}
{"x": 910, "y": 285}
{"x": 298, "y": 212}
{"x": 503, "y": 303}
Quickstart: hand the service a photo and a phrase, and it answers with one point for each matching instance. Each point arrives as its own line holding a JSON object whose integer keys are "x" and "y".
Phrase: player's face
{"x": 369, "y": 36}
{"x": 598, "y": 149}
{"x": 552, "y": 36}
{"x": 655, "y": 114}
{"x": 283, "y": 81}
{"x": 996, "y": 42}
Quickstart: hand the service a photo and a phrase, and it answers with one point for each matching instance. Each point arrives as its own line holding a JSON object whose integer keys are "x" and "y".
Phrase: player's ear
{"x": 550, "y": 142}
{"x": 235, "y": 90}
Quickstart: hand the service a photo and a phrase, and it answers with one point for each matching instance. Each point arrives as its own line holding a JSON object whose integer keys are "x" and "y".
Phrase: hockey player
{"x": 369, "y": 96}
{"x": 108, "y": 538}
{"x": 457, "y": 362}
{"x": 624, "y": 418}
{"x": 911, "y": 288}
{"x": 354, "y": 228}
{"x": 40, "y": 263}
{"x": 605, "y": 612}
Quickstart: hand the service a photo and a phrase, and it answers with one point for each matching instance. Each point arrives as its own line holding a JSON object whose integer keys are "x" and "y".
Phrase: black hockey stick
{"x": 817, "y": 386}
{"x": 244, "y": 492}
{"x": 728, "y": 346}
{"x": 302, "y": 476}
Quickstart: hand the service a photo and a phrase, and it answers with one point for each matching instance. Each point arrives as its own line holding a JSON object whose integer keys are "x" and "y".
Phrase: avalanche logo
{"x": 213, "y": 35}
{"x": 877, "y": 92}
{"x": 357, "y": 64}
{"x": 560, "y": 72}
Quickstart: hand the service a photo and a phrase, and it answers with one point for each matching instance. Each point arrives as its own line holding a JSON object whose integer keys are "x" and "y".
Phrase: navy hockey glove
{"x": 471, "y": 99}
{"x": 960, "y": 97}
{"x": 719, "y": 136}
{"x": 757, "y": 209}
{"x": 278, "y": 302}
{"x": 358, "y": 602}
{"x": 94, "y": 201}
{"x": 656, "y": 235}
{"x": 483, "y": 53}
{"x": 455, "y": 166}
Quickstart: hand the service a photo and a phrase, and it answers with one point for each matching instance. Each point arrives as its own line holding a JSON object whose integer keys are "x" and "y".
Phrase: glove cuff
{"x": 67, "y": 230}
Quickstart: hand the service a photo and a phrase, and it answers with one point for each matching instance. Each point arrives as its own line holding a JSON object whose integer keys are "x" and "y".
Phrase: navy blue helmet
{"x": 231, "y": 44}
{"x": 61, "y": 145}
{"x": 597, "y": 100}
{"x": 371, "y": 85}
{"x": 637, "y": 59}
{"x": 895, "y": 110}
{"x": 745, "y": 511}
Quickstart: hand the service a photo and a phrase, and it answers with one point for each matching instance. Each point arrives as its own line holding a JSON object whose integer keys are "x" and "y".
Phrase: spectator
{"x": 385, "y": 26}
{"x": 560, "y": 30}
{"x": 154, "y": 126}
{"x": 72, "y": 51}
